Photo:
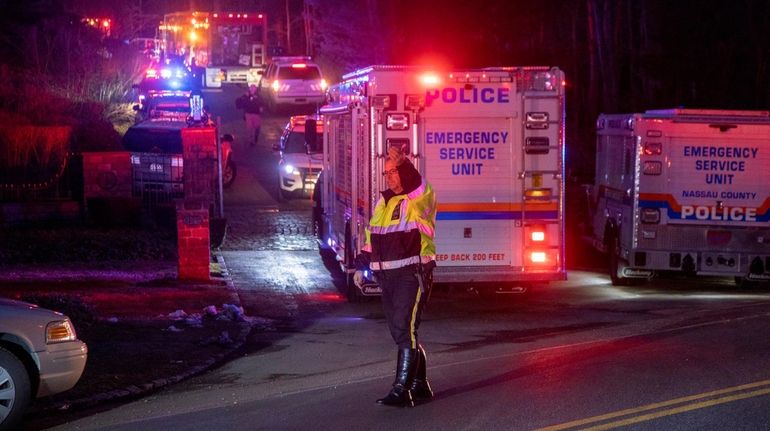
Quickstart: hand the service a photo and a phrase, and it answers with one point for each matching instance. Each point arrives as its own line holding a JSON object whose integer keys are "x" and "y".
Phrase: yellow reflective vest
{"x": 402, "y": 228}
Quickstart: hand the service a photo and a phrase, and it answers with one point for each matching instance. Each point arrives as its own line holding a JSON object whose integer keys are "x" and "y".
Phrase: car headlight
{"x": 59, "y": 332}
{"x": 289, "y": 169}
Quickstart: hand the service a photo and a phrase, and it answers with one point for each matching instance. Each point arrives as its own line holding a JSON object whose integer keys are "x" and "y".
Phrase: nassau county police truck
{"x": 490, "y": 141}
{"x": 683, "y": 190}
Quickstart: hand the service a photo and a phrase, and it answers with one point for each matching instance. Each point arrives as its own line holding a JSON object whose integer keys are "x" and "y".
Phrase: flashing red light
{"x": 299, "y": 65}
{"x": 538, "y": 236}
{"x": 538, "y": 257}
{"x": 245, "y": 15}
{"x": 230, "y": 15}
{"x": 259, "y": 16}
{"x": 216, "y": 15}
{"x": 106, "y": 23}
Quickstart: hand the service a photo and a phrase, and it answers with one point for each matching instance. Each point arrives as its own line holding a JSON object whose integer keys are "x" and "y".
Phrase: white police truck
{"x": 490, "y": 141}
{"x": 682, "y": 190}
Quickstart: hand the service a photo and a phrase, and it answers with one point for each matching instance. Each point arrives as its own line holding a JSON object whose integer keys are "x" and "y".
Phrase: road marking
{"x": 736, "y": 391}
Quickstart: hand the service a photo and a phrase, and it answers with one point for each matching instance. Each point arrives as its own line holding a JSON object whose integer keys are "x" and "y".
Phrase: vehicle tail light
{"x": 538, "y": 195}
{"x": 652, "y": 168}
{"x": 276, "y": 85}
{"x": 324, "y": 84}
{"x": 59, "y": 332}
{"x": 537, "y": 235}
{"x": 299, "y": 65}
{"x": 650, "y": 215}
{"x": 538, "y": 257}
{"x": 653, "y": 148}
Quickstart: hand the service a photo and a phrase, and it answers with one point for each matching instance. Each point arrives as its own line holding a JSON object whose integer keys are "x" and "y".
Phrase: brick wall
{"x": 192, "y": 221}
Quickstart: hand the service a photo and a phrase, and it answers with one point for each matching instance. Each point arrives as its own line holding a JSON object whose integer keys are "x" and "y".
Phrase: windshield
{"x": 153, "y": 140}
{"x": 294, "y": 143}
{"x": 309, "y": 72}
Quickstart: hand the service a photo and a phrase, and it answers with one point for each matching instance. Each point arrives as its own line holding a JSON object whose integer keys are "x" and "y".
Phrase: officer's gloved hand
{"x": 358, "y": 278}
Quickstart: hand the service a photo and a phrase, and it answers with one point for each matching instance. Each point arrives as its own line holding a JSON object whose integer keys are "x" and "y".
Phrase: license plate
{"x": 156, "y": 167}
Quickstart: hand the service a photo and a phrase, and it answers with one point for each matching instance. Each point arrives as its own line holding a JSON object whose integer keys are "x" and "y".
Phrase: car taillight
{"x": 324, "y": 84}
{"x": 299, "y": 65}
{"x": 538, "y": 257}
{"x": 276, "y": 85}
{"x": 59, "y": 332}
{"x": 537, "y": 236}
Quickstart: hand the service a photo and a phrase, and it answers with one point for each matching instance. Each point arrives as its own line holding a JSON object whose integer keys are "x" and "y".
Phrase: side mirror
{"x": 311, "y": 136}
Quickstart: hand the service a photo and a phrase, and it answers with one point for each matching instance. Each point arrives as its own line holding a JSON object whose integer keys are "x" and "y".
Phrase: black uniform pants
{"x": 402, "y": 301}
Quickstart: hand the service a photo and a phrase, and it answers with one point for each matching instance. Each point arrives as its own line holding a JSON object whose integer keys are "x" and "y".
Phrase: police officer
{"x": 252, "y": 108}
{"x": 400, "y": 250}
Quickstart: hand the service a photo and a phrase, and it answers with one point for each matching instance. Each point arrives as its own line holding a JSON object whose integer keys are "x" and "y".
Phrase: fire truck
{"x": 229, "y": 48}
{"x": 683, "y": 191}
{"x": 490, "y": 141}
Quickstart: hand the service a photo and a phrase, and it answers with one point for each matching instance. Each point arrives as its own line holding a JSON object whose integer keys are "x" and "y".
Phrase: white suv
{"x": 300, "y": 162}
{"x": 292, "y": 81}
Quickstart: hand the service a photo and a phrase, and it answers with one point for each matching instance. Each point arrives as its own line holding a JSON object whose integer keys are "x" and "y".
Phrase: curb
{"x": 244, "y": 328}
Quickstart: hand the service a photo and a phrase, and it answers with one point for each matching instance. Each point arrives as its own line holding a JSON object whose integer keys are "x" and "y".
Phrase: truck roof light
{"x": 430, "y": 79}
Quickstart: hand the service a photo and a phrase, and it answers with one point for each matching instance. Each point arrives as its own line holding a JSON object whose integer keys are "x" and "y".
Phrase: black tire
{"x": 228, "y": 175}
{"x": 15, "y": 384}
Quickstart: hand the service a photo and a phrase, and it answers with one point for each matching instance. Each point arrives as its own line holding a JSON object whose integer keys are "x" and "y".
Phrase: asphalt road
{"x": 580, "y": 354}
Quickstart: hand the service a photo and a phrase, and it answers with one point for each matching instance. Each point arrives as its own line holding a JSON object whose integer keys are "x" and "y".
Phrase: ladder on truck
{"x": 541, "y": 159}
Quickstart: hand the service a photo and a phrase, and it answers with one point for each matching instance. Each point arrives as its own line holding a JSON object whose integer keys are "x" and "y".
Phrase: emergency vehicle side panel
{"x": 699, "y": 201}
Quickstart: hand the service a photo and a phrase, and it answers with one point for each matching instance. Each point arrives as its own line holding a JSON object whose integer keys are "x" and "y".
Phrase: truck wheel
{"x": 15, "y": 390}
{"x": 228, "y": 175}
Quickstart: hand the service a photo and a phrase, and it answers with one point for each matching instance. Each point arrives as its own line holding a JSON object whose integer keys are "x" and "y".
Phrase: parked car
{"x": 300, "y": 161}
{"x": 157, "y": 158}
{"x": 40, "y": 355}
{"x": 292, "y": 81}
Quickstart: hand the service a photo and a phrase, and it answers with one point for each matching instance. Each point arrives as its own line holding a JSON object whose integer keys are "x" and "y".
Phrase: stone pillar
{"x": 192, "y": 221}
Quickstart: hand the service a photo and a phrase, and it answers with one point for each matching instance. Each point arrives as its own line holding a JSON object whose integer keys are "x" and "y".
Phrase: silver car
{"x": 40, "y": 355}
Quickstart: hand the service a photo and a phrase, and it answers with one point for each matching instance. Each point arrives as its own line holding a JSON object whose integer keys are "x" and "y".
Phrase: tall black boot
{"x": 421, "y": 390}
{"x": 400, "y": 395}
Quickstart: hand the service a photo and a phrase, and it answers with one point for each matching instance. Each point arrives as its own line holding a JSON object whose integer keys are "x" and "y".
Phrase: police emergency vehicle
{"x": 490, "y": 141}
{"x": 682, "y": 190}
